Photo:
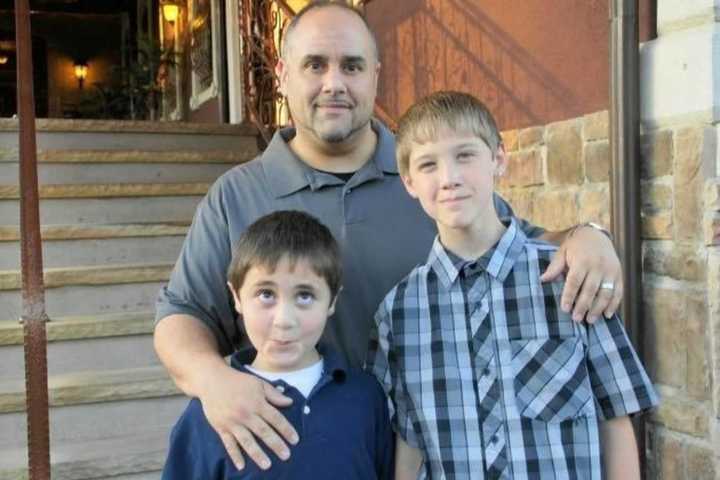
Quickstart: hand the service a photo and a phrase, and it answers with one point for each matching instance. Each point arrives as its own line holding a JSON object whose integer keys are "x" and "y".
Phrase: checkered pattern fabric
{"x": 490, "y": 379}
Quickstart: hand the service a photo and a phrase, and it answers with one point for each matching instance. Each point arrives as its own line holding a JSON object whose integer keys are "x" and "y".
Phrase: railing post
{"x": 33, "y": 294}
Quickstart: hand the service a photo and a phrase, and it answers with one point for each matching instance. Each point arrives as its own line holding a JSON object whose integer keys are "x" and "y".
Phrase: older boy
{"x": 488, "y": 377}
{"x": 285, "y": 277}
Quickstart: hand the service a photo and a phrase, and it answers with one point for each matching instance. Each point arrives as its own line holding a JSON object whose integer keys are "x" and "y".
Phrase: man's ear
{"x": 236, "y": 299}
{"x": 281, "y": 70}
{"x": 407, "y": 182}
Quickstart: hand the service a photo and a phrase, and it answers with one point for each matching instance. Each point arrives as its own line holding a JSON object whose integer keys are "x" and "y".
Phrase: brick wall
{"x": 558, "y": 176}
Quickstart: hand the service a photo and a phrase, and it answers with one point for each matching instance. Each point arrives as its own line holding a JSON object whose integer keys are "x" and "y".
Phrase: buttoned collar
{"x": 335, "y": 367}
{"x": 497, "y": 261}
{"x": 287, "y": 174}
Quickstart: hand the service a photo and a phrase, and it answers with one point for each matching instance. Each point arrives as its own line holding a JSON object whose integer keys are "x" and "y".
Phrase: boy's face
{"x": 284, "y": 313}
{"x": 453, "y": 178}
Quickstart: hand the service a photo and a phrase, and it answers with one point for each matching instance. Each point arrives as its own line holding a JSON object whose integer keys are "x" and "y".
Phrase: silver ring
{"x": 607, "y": 286}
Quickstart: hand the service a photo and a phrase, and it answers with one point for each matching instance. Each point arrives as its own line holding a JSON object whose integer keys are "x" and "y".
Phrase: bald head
{"x": 287, "y": 41}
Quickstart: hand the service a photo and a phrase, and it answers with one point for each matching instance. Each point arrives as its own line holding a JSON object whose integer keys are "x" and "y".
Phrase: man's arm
{"x": 236, "y": 404}
{"x": 620, "y": 454}
{"x": 590, "y": 259}
{"x": 408, "y": 460}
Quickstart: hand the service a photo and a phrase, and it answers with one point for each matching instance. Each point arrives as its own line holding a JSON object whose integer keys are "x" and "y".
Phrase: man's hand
{"x": 240, "y": 408}
{"x": 590, "y": 260}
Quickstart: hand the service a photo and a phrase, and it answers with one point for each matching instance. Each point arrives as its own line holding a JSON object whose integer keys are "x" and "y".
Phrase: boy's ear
{"x": 501, "y": 161}
{"x": 236, "y": 299}
{"x": 407, "y": 182}
{"x": 331, "y": 308}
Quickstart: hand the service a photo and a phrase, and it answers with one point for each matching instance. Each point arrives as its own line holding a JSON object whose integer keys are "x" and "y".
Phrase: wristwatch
{"x": 594, "y": 225}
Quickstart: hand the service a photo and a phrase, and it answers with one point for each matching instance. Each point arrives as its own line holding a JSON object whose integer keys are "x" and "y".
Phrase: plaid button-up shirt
{"x": 490, "y": 378}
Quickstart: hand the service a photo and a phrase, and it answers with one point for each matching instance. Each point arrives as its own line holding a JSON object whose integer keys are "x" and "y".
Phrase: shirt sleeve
{"x": 197, "y": 285}
{"x": 620, "y": 384}
{"x": 195, "y": 450}
{"x": 505, "y": 212}
{"x": 382, "y": 362}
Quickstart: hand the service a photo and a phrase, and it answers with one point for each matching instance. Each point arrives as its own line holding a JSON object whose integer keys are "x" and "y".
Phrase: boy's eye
{"x": 465, "y": 155}
{"x": 265, "y": 295}
{"x": 426, "y": 166}
{"x": 305, "y": 298}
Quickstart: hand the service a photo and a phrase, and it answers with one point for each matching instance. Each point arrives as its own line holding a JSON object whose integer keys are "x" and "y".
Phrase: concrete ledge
{"x": 97, "y": 275}
{"x": 97, "y": 459}
{"x": 78, "y": 232}
{"x": 82, "y": 327}
{"x": 129, "y": 126}
{"x": 136, "y": 156}
{"x": 110, "y": 190}
{"x": 92, "y": 387}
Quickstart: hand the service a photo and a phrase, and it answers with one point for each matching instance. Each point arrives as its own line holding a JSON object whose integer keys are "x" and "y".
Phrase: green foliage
{"x": 135, "y": 91}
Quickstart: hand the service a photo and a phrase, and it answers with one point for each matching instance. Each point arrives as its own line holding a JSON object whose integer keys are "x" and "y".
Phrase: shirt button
{"x": 348, "y": 191}
{"x": 280, "y": 388}
{"x": 486, "y": 371}
{"x": 494, "y": 439}
{"x": 306, "y": 410}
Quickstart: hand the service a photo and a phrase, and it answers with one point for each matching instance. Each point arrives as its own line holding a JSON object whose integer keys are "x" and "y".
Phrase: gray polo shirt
{"x": 382, "y": 231}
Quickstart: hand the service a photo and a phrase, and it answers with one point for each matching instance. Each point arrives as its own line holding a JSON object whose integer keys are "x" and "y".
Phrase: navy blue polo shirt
{"x": 343, "y": 426}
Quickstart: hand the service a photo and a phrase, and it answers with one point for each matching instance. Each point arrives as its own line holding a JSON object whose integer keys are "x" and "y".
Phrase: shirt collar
{"x": 497, "y": 261}
{"x": 334, "y": 366}
{"x": 286, "y": 173}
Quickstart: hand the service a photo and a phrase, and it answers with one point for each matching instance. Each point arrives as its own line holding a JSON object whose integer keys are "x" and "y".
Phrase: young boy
{"x": 488, "y": 378}
{"x": 285, "y": 277}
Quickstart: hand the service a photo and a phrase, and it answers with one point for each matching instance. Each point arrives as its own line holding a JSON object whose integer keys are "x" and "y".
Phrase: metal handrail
{"x": 33, "y": 291}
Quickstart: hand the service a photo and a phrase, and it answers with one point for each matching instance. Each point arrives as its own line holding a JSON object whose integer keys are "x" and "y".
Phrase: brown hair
{"x": 457, "y": 111}
{"x": 287, "y": 234}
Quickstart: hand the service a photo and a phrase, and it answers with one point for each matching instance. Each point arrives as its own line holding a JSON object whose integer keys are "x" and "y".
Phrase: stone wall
{"x": 558, "y": 176}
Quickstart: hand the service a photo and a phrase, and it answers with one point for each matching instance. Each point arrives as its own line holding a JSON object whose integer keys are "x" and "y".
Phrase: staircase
{"x": 116, "y": 201}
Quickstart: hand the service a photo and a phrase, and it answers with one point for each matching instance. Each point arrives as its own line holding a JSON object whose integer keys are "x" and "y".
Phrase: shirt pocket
{"x": 551, "y": 380}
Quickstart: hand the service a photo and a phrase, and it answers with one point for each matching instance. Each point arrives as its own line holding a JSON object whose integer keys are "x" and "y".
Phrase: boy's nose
{"x": 284, "y": 316}
{"x": 450, "y": 175}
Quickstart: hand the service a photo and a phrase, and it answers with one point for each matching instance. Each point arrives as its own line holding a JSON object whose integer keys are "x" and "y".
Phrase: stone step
{"x": 69, "y": 173}
{"x": 138, "y": 457}
{"x": 98, "y": 251}
{"x": 109, "y": 190}
{"x": 94, "y": 211}
{"x": 89, "y": 290}
{"x": 88, "y": 299}
{"x": 57, "y": 134}
{"x": 80, "y": 343}
{"x": 11, "y": 233}
{"x": 95, "y": 406}
{"x": 96, "y": 275}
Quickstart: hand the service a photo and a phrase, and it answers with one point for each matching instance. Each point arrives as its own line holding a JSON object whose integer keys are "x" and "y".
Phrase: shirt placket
{"x": 487, "y": 378}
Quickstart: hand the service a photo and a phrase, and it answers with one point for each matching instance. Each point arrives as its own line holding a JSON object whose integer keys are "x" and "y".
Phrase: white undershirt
{"x": 304, "y": 380}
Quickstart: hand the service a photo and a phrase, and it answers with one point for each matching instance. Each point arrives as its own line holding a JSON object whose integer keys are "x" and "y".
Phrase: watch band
{"x": 594, "y": 225}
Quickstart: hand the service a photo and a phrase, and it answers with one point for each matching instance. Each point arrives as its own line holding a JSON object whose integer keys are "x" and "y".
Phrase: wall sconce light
{"x": 4, "y": 59}
{"x": 81, "y": 70}
{"x": 170, "y": 11}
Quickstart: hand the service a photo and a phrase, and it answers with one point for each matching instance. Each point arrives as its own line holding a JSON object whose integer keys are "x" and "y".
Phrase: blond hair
{"x": 456, "y": 111}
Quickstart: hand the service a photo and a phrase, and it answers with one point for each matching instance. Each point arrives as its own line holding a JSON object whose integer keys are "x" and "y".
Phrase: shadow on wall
{"x": 544, "y": 63}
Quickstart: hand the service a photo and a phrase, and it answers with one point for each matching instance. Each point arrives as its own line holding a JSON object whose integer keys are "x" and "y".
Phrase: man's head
{"x": 328, "y": 71}
{"x": 285, "y": 275}
{"x": 448, "y": 152}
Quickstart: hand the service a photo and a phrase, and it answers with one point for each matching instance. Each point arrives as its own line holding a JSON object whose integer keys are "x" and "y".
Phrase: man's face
{"x": 329, "y": 75}
{"x": 453, "y": 178}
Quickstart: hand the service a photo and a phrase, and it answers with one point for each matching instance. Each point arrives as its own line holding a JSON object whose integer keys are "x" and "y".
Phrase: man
{"x": 338, "y": 165}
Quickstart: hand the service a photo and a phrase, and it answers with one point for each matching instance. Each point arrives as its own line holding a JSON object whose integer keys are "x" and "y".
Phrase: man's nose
{"x": 334, "y": 80}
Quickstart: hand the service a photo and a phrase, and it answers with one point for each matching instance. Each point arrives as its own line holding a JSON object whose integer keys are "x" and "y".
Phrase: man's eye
{"x": 353, "y": 68}
{"x": 315, "y": 66}
{"x": 305, "y": 298}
